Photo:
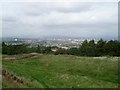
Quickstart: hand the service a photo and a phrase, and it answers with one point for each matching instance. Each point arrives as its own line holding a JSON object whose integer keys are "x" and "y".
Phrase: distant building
{"x": 64, "y": 48}
{"x": 54, "y": 50}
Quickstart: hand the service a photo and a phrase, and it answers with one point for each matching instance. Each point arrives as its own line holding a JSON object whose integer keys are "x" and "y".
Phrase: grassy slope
{"x": 27, "y": 84}
{"x": 67, "y": 71}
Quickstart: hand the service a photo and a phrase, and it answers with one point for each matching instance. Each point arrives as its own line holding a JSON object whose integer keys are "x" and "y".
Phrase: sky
{"x": 38, "y": 19}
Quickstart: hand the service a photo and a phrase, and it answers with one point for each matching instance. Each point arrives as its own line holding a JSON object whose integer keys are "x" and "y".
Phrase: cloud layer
{"x": 74, "y": 19}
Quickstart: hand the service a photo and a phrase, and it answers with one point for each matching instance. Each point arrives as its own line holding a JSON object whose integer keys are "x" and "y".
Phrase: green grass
{"x": 27, "y": 84}
{"x": 67, "y": 71}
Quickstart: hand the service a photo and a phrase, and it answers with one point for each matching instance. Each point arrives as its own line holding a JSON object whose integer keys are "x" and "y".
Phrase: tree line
{"x": 101, "y": 48}
{"x": 87, "y": 48}
{"x": 24, "y": 48}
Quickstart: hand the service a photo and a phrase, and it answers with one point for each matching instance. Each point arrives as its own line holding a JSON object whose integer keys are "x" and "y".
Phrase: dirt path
{"x": 20, "y": 56}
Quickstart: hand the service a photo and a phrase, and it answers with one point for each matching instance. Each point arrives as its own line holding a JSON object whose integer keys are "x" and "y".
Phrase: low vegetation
{"x": 64, "y": 71}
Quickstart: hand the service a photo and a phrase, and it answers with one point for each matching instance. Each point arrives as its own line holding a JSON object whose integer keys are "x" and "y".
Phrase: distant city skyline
{"x": 67, "y": 19}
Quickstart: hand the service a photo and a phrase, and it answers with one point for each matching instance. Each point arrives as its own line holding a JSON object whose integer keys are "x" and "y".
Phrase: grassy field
{"x": 63, "y": 71}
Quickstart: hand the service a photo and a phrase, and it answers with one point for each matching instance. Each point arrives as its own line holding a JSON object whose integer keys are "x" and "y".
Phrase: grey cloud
{"x": 43, "y": 8}
{"x": 81, "y": 25}
{"x": 76, "y": 19}
{"x": 9, "y": 19}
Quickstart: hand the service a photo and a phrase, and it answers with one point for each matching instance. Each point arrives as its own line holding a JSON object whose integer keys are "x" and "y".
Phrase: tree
{"x": 88, "y": 48}
{"x": 13, "y": 49}
{"x": 47, "y": 50}
{"x": 91, "y": 50}
{"x": 83, "y": 48}
{"x": 112, "y": 48}
{"x": 73, "y": 51}
{"x": 60, "y": 51}
{"x": 101, "y": 47}
{"x": 4, "y": 48}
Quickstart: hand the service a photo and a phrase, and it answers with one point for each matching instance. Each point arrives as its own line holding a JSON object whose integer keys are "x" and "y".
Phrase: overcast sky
{"x": 73, "y": 19}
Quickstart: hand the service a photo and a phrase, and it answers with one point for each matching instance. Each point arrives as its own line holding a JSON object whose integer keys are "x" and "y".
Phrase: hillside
{"x": 64, "y": 71}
